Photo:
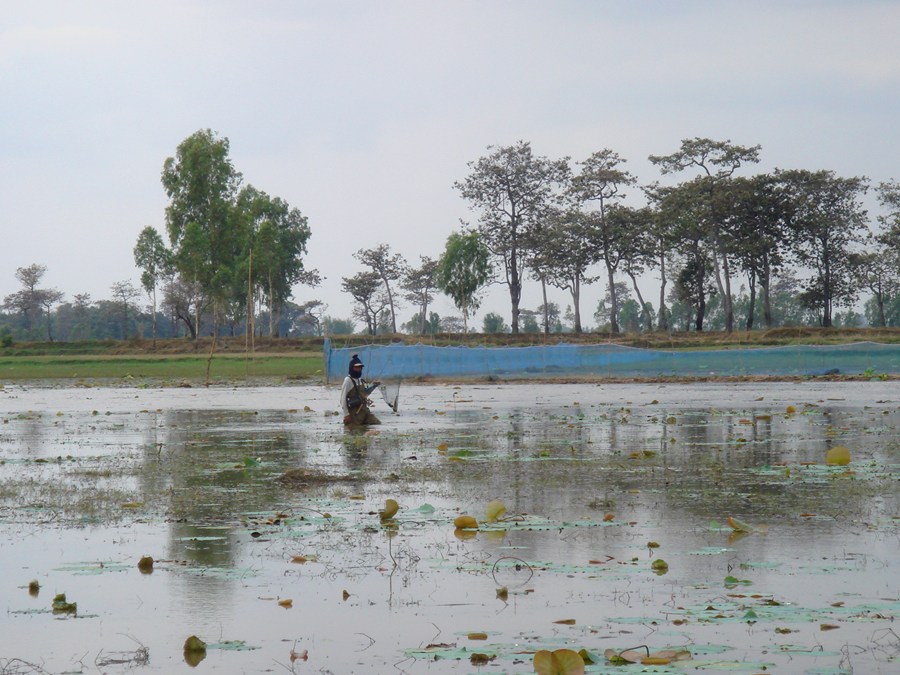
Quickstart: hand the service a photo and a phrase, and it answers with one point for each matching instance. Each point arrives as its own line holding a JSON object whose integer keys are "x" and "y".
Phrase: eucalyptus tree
{"x": 716, "y": 162}
{"x": 463, "y": 270}
{"x": 371, "y": 300}
{"x": 155, "y": 261}
{"x": 600, "y": 184}
{"x": 827, "y": 221}
{"x": 201, "y": 184}
{"x": 419, "y": 284}
{"x": 512, "y": 190}
{"x": 389, "y": 267}
{"x": 273, "y": 244}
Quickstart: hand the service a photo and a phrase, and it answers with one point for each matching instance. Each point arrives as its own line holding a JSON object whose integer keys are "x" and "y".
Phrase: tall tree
{"x": 462, "y": 271}
{"x": 512, "y": 190}
{"x": 600, "y": 184}
{"x": 419, "y": 282}
{"x": 682, "y": 214}
{"x": 154, "y": 260}
{"x": 389, "y": 267}
{"x": 201, "y": 184}
{"x": 274, "y": 242}
{"x": 827, "y": 220}
{"x": 716, "y": 162}
{"x": 756, "y": 215}
{"x": 568, "y": 247}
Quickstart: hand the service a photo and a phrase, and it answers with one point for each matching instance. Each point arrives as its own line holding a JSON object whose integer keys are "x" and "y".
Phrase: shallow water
{"x": 93, "y": 479}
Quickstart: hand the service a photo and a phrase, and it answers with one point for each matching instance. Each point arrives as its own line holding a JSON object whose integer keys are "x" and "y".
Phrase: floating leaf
{"x": 194, "y": 644}
{"x": 34, "y": 588}
{"x": 790, "y": 410}
{"x": 390, "y": 509}
{"x": 566, "y": 622}
{"x": 145, "y": 564}
{"x": 838, "y": 456}
{"x": 477, "y": 636}
{"x": 495, "y": 510}
{"x": 287, "y": 603}
{"x": 558, "y": 662}
{"x": 659, "y": 566}
{"x": 194, "y": 651}
{"x": 738, "y": 526}
{"x": 465, "y": 523}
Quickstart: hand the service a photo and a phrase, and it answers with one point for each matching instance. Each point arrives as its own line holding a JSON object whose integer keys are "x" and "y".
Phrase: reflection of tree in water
{"x": 205, "y": 468}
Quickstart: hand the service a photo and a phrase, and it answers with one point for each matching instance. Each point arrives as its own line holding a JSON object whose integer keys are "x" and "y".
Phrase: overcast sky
{"x": 362, "y": 114}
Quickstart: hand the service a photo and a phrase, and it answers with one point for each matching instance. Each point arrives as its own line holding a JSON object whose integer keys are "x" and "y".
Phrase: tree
{"x": 568, "y": 248}
{"x": 716, "y": 161}
{"x": 154, "y": 260}
{"x": 494, "y": 323}
{"x": 183, "y": 301}
{"x": 365, "y": 288}
{"x": 30, "y": 300}
{"x": 123, "y": 292}
{"x": 308, "y": 317}
{"x": 388, "y": 268}
{"x": 335, "y": 326}
{"x": 430, "y": 326}
{"x": 600, "y": 183}
{"x": 826, "y": 220}
{"x": 876, "y": 270}
{"x": 685, "y": 241}
{"x": 512, "y": 191}
{"x": 640, "y": 250}
{"x": 275, "y": 237}
{"x": 462, "y": 271}
{"x": 419, "y": 283}
{"x": 201, "y": 184}
{"x": 758, "y": 212}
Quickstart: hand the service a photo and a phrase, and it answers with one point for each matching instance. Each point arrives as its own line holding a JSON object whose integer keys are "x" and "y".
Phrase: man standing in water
{"x": 355, "y": 396}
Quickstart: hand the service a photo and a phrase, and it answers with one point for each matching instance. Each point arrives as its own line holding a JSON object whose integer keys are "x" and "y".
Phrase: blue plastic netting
{"x": 415, "y": 361}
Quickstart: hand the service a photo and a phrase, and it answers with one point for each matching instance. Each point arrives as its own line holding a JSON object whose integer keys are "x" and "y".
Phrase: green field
{"x": 172, "y": 367}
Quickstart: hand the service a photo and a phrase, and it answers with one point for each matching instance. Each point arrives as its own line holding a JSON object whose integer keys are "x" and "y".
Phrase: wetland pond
{"x": 262, "y": 518}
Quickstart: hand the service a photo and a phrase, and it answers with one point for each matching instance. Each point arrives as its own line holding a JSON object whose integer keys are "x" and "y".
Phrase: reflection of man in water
{"x": 355, "y": 396}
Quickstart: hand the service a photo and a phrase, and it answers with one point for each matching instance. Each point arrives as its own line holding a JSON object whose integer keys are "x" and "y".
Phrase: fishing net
{"x": 390, "y": 392}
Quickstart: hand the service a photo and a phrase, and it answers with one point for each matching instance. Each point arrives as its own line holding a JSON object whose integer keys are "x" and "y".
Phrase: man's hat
{"x": 354, "y": 361}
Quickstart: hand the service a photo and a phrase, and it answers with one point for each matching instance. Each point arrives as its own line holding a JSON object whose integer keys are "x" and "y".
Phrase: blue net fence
{"x": 609, "y": 360}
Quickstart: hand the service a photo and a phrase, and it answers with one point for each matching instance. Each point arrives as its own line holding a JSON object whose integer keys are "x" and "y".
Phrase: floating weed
{"x": 94, "y": 567}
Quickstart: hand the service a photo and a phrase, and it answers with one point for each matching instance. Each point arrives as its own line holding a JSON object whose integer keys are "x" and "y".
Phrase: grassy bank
{"x": 173, "y": 368}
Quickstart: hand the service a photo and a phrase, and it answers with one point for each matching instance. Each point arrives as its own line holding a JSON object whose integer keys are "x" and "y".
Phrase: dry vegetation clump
{"x": 303, "y": 477}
